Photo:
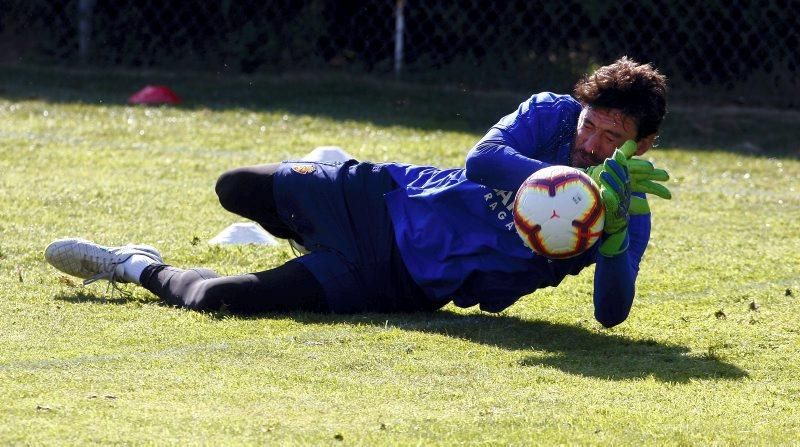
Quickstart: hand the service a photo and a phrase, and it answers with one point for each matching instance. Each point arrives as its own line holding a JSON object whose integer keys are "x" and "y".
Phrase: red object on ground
{"x": 154, "y": 95}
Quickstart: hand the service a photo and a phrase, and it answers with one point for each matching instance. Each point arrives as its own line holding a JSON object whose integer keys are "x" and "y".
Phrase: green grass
{"x": 708, "y": 355}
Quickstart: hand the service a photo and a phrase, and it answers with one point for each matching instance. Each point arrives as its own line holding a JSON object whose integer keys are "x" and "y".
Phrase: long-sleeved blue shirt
{"x": 455, "y": 227}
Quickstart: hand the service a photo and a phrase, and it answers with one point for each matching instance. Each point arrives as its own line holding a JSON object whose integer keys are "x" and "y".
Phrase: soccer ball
{"x": 558, "y": 212}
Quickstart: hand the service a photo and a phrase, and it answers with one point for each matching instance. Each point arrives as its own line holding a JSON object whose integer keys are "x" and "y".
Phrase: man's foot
{"x": 92, "y": 262}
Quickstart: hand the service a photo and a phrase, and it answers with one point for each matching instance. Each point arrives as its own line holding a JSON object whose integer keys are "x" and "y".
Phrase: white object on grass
{"x": 327, "y": 153}
{"x": 244, "y": 233}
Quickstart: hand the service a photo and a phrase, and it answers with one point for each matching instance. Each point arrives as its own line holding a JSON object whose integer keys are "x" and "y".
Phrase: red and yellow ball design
{"x": 558, "y": 212}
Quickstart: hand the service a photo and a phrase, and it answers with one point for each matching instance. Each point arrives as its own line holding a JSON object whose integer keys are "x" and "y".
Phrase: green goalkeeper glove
{"x": 619, "y": 177}
{"x": 615, "y": 191}
{"x": 643, "y": 176}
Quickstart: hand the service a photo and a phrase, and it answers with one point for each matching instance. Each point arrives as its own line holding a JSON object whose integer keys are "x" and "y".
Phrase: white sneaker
{"x": 93, "y": 262}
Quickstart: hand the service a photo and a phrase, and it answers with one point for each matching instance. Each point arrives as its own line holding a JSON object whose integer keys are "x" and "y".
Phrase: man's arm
{"x": 512, "y": 149}
{"x": 497, "y": 163}
{"x": 626, "y": 230}
{"x": 615, "y": 276}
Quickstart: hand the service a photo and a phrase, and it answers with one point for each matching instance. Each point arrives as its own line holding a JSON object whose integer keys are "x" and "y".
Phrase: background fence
{"x": 718, "y": 50}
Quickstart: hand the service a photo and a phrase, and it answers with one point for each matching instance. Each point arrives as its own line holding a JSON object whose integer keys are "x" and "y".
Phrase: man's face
{"x": 600, "y": 131}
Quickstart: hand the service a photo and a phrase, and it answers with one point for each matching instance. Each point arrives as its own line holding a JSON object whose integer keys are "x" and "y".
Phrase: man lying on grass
{"x": 393, "y": 237}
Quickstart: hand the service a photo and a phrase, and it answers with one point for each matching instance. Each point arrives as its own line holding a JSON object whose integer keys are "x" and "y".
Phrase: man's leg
{"x": 287, "y": 288}
{"x": 248, "y": 192}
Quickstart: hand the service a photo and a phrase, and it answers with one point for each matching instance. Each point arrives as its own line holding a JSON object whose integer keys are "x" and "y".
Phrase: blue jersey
{"x": 455, "y": 231}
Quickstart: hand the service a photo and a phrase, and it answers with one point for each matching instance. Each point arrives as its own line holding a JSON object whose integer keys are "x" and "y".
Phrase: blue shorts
{"x": 340, "y": 212}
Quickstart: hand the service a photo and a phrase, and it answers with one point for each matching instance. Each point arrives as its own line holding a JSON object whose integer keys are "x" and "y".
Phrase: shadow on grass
{"x": 82, "y": 296}
{"x": 338, "y": 96}
{"x": 749, "y": 131}
{"x": 572, "y": 349}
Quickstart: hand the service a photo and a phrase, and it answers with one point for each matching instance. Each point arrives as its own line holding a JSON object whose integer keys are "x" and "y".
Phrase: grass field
{"x": 709, "y": 354}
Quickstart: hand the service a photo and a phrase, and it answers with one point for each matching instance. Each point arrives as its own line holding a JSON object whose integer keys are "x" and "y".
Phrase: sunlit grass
{"x": 708, "y": 355}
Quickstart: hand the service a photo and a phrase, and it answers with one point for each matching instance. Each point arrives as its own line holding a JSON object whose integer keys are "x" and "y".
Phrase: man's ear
{"x": 645, "y": 143}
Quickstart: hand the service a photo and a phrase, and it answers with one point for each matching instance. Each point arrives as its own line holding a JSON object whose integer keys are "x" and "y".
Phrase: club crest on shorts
{"x": 304, "y": 169}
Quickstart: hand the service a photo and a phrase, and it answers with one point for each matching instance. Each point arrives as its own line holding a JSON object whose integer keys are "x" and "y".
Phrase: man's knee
{"x": 229, "y": 188}
{"x": 238, "y": 188}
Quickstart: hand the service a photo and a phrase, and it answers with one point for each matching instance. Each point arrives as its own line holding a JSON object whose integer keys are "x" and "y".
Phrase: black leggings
{"x": 289, "y": 287}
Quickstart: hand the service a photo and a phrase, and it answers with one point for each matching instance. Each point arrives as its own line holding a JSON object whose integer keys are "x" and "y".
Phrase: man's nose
{"x": 591, "y": 144}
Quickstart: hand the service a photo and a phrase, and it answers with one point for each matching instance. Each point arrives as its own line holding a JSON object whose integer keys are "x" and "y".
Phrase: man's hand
{"x": 618, "y": 177}
{"x": 643, "y": 176}
{"x": 615, "y": 191}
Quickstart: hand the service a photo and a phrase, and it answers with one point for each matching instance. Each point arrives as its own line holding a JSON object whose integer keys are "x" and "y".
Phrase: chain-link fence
{"x": 713, "y": 49}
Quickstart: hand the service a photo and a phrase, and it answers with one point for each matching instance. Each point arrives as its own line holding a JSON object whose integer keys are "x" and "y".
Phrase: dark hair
{"x": 638, "y": 90}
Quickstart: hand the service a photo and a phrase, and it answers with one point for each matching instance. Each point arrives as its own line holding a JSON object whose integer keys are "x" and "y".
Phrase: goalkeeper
{"x": 393, "y": 237}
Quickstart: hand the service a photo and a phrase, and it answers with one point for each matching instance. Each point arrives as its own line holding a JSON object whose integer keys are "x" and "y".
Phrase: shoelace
{"x": 109, "y": 272}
